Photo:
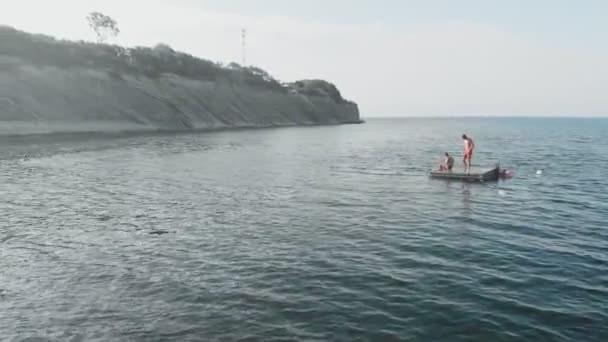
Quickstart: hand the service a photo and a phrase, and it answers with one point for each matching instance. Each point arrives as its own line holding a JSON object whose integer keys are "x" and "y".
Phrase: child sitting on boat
{"x": 447, "y": 164}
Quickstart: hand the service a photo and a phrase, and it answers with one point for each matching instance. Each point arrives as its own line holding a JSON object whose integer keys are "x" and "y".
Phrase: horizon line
{"x": 516, "y": 116}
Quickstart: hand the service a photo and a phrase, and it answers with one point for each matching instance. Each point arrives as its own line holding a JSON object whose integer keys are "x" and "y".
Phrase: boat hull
{"x": 484, "y": 175}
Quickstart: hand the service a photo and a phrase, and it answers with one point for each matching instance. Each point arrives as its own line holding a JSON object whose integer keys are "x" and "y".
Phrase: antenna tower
{"x": 244, "y": 46}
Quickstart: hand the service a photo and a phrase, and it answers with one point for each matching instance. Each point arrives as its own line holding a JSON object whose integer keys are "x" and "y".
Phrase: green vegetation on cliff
{"x": 153, "y": 62}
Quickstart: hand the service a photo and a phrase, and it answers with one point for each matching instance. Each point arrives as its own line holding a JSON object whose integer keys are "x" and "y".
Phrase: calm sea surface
{"x": 307, "y": 234}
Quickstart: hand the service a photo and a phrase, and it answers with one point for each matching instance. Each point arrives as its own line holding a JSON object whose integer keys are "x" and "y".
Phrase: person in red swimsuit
{"x": 469, "y": 146}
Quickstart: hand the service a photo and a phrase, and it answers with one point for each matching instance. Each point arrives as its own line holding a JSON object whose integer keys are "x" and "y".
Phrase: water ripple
{"x": 316, "y": 234}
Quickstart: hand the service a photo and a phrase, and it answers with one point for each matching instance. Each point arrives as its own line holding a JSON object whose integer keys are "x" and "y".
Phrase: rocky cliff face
{"x": 49, "y": 86}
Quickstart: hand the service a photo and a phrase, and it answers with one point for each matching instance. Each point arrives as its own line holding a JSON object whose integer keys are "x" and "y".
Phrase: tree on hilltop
{"x": 103, "y": 25}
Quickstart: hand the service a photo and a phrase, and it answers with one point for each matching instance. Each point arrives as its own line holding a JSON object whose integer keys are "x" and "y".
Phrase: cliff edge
{"x": 51, "y": 86}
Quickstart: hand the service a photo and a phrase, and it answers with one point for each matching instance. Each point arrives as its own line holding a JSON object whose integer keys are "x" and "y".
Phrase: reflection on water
{"x": 467, "y": 193}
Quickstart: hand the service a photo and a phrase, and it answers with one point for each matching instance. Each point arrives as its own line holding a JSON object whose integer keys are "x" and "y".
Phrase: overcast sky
{"x": 393, "y": 57}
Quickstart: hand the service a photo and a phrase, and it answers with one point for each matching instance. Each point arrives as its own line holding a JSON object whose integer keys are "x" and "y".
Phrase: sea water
{"x": 316, "y": 233}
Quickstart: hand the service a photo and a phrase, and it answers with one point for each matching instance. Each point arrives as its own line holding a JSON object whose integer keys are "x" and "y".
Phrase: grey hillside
{"x": 49, "y": 86}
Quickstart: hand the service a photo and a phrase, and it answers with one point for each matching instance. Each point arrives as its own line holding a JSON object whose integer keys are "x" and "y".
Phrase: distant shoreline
{"x": 156, "y": 132}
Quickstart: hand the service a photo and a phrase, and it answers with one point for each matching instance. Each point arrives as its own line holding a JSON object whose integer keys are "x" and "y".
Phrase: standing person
{"x": 469, "y": 146}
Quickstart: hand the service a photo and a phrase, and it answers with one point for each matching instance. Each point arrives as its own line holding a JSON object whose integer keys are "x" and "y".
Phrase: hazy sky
{"x": 393, "y": 57}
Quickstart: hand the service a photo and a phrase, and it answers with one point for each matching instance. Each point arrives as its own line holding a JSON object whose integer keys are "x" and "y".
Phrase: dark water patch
{"x": 104, "y": 218}
{"x": 159, "y": 232}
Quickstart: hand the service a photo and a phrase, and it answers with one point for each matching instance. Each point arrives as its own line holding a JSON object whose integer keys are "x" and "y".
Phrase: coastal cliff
{"x": 52, "y": 86}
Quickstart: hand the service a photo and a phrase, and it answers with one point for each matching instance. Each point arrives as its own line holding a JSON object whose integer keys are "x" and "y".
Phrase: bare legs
{"x": 467, "y": 162}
